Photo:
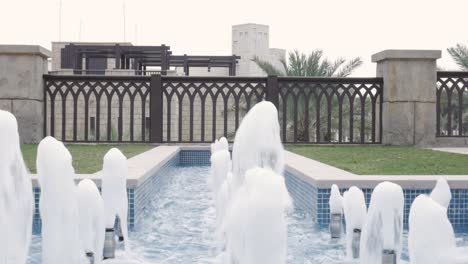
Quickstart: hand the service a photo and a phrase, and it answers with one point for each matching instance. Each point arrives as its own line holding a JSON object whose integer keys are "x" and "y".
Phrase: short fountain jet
{"x": 220, "y": 168}
{"x": 355, "y": 212}
{"x": 381, "y": 240}
{"x": 431, "y": 238}
{"x": 91, "y": 220}
{"x": 441, "y": 193}
{"x": 114, "y": 194}
{"x": 16, "y": 202}
{"x": 58, "y": 204}
{"x": 336, "y": 212}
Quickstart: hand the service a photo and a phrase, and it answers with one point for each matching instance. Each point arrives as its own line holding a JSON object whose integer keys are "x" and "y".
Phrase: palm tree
{"x": 459, "y": 54}
{"x": 312, "y": 65}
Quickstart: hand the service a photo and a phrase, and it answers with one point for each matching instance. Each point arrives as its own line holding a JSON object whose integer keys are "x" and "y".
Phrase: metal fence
{"x": 201, "y": 109}
{"x": 451, "y": 104}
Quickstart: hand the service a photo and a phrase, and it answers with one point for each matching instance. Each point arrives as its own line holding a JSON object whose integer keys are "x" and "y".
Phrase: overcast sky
{"x": 345, "y": 28}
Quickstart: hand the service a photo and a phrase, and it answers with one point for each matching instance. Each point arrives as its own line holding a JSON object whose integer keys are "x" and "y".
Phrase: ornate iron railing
{"x": 451, "y": 104}
{"x": 330, "y": 110}
{"x": 97, "y": 108}
{"x": 201, "y": 109}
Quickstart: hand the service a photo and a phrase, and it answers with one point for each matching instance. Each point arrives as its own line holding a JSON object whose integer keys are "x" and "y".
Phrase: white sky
{"x": 346, "y": 28}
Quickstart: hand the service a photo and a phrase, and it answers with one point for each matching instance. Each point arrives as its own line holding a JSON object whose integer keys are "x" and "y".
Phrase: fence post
{"x": 156, "y": 109}
{"x": 22, "y": 88}
{"x": 272, "y": 90}
{"x": 409, "y": 96}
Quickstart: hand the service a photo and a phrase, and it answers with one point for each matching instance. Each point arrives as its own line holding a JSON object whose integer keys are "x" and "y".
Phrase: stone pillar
{"x": 21, "y": 87}
{"x": 409, "y": 102}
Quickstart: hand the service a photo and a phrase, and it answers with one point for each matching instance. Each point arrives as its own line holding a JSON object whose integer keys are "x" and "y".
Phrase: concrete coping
{"x": 324, "y": 176}
{"x": 407, "y": 54}
{"x": 146, "y": 164}
{"x": 140, "y": 167}
{"x": 25, "y": 50}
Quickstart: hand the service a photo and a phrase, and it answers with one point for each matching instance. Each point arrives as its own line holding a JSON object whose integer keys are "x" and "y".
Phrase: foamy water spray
{"x": 91, "y": 216}
{"x": 16, "y": 202}
{"x": 355, "y": 212}
{"x": 430, "y": 231}
{"x": 441, "y": 193}
{"x": 257, "y": 142}
{"x": 255, "y": 223}
{"x": 58, "y": 204}
{"x": 336, "y": 212}
{"x": 114, "y": 194}
{"x": 381, "y": 240}
{"x": 431, "y": 238}
{"x": 220, "y": 184}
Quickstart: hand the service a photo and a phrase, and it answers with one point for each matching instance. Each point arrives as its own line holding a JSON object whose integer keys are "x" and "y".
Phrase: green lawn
{"x": 385, "y": 160}
{"x": 86, "y": 158}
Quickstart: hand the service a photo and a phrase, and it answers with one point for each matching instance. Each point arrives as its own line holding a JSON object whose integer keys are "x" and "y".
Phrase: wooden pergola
{"x": 138, "y": 58}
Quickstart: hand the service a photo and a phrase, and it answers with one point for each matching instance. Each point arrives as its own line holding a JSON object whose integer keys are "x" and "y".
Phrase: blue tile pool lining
{"x": 306, "y": 195}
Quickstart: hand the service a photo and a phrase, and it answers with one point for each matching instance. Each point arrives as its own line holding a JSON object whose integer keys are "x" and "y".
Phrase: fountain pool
{"x": 178, "y": 226}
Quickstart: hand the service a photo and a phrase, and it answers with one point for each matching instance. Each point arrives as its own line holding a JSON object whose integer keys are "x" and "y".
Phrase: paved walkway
{"x": 461, "y": 150}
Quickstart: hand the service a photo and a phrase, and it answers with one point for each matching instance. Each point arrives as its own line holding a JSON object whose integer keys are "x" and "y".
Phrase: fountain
{"x": 431, "y": 238}
{"x": 91, "y": 216}
{"x": 430, "y": 231}
{"x": 58, "y": 204}
{"x": 254, "y": 222}
{"x": 355, "y": 212}
{"x": 336, "y": 211}
{"x": 381, "y": 240}
{"x": 220, "y": 168}
{"x": 257, "y": 142}
{"x": 16, "y": 204}
{"x": 256, "y": 226}
{"x": 221, "y": 144}
{"x": 441, "y": 193}
{"x": 114, "y": 194}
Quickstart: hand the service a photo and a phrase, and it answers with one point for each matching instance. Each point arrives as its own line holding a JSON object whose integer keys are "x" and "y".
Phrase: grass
{"x": 86, "y": 158}
{"x": 386, "y": 160}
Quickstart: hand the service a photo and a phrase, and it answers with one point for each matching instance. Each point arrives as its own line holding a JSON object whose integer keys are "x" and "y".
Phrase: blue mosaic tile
{"x": 194, "y": 158}
{"x": 315, "y": 201}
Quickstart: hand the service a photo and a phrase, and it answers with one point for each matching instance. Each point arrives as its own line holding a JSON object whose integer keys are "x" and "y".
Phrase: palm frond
{"x": 349, "y": 67}
{"x": 267, "y": 67}
{"x": 459, "y": 54}
{"x": 331, "y": 71}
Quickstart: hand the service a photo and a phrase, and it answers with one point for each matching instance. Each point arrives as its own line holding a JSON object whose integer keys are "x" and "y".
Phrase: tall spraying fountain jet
{"x": 114, "y": 194}
{"x": 336, "y": 211}
{"x": 355, "y": 212}
{"x": 16, "y": 202}
{"x": 381, "y": 240}
{"x": 255, "y": 222}
{"x": 257, "y": 142}
{"x": 91, "y": 220}
{"x": 58, "y": 204}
